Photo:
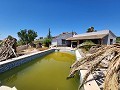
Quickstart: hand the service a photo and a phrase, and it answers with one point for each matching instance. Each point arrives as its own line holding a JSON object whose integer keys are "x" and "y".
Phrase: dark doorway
{"x": 74, "y": 44}
{"x": 111, "y": 41}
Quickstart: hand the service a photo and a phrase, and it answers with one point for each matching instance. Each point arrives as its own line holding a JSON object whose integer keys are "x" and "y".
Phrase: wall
{"x": 111, "y": 36}
{"x": 58, "y": 39}
{"x": 105, "y": 40}
{"x": 11, "y": 63}
{"x": 63, "y": 36}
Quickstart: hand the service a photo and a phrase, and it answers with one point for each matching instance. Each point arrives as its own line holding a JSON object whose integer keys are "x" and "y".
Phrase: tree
{"x": 48, "y": 39}
{"x": 91, "y": 29}
{"x": 27, "y": 36}
{"x": 49, "y": 36}
{"x": 10, "y": 37}
{"x": 118, "y": 40}
{"x": 47, "y": 42}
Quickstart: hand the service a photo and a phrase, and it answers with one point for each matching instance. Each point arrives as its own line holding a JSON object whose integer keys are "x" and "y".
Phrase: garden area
{"x": 10, "y": 47}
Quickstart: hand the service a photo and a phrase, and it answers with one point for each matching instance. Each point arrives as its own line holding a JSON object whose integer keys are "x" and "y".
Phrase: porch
{"x": 74, "y": 43}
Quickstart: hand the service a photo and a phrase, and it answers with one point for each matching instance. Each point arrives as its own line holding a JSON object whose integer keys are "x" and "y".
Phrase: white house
{"x": 98, "y": 37}
{"x": 60, "y": 40}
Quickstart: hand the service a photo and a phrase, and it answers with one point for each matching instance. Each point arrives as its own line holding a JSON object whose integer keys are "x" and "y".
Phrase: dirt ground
{"x": 31, "y": 50}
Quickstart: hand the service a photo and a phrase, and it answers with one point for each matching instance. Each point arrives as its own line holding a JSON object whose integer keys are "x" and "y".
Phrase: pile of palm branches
{"x": 105, "y": 57}
{"x": 8, "y": 48}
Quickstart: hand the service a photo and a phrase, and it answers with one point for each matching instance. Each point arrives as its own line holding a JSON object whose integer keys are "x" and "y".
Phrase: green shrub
{"x": 47, "y": 42}
{"x": 86, "y": 45}
{"x": 118, "y": 40}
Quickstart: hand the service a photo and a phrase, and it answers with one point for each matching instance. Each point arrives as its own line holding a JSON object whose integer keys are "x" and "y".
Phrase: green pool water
{"x": 46, "y": 73}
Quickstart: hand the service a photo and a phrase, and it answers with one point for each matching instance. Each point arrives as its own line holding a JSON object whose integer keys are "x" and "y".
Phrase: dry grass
{"x": 32, "y": 50}
{"x": 44, "y": 48}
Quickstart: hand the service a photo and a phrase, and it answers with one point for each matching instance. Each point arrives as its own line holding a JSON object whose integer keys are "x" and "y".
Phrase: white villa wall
{"x": 54, "y": 43}
{"x": 58, "y": 39}
{"x": 111, "y": 36}
{"x": 105, "y": 40}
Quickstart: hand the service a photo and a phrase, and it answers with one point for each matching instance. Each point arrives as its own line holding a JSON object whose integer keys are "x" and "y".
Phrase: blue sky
{"x": 59, "y": 15}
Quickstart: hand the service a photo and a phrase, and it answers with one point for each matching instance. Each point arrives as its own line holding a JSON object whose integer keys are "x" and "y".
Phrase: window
{"x": 63, "y": 41}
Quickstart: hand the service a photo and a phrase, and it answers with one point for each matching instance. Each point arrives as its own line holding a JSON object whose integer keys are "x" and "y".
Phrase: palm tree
{"x": 91, "y": 29}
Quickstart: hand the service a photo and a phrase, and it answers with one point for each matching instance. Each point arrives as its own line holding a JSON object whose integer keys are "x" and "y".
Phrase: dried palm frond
{"x": 104, "y": 57}
{"x": 112, "y": 72}
{"x": 8, "y": 49}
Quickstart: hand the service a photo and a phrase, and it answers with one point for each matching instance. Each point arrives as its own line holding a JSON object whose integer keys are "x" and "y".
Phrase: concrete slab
{"x": 92, "y": 84}
{"x": 7, "y": 88}
{"x": 78, "y": 56}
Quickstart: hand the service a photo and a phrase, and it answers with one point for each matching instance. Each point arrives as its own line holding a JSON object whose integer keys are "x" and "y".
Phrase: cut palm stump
{"x": 8, "y": 49}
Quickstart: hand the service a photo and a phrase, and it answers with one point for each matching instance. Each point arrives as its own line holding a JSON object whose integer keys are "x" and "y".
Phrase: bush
{"x": 118, "y": 40}
{"x": 86, "y": 45}
{"x": 47, "y": 42}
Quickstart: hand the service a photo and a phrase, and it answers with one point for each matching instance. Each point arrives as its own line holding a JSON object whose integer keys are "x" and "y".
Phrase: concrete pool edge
{"x": 14, "y": 62}
{"x": 92, "y": 85}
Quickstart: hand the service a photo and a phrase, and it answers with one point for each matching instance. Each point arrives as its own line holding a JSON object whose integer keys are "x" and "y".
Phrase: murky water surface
{"x": 46, "y": 73}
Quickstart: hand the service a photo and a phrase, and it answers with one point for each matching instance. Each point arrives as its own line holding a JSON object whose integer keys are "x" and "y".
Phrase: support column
{"x": 101, "y": 41}
{"x": 71, "y": 44}
{"x": 78, "y": 42}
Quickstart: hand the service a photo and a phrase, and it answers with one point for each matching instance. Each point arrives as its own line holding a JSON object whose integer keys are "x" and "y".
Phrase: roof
{"x": 91, "y": 35}
{"x": 65, "y": 33}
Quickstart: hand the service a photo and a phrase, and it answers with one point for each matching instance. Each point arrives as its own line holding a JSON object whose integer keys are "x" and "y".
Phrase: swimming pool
{"x": 46, "y": 73}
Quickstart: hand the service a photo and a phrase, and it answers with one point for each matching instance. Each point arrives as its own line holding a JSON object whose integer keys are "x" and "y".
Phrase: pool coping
{"x": 23, "y": 56}
{"x": 91, "y": 85}
{"x": 14, "y": 62}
